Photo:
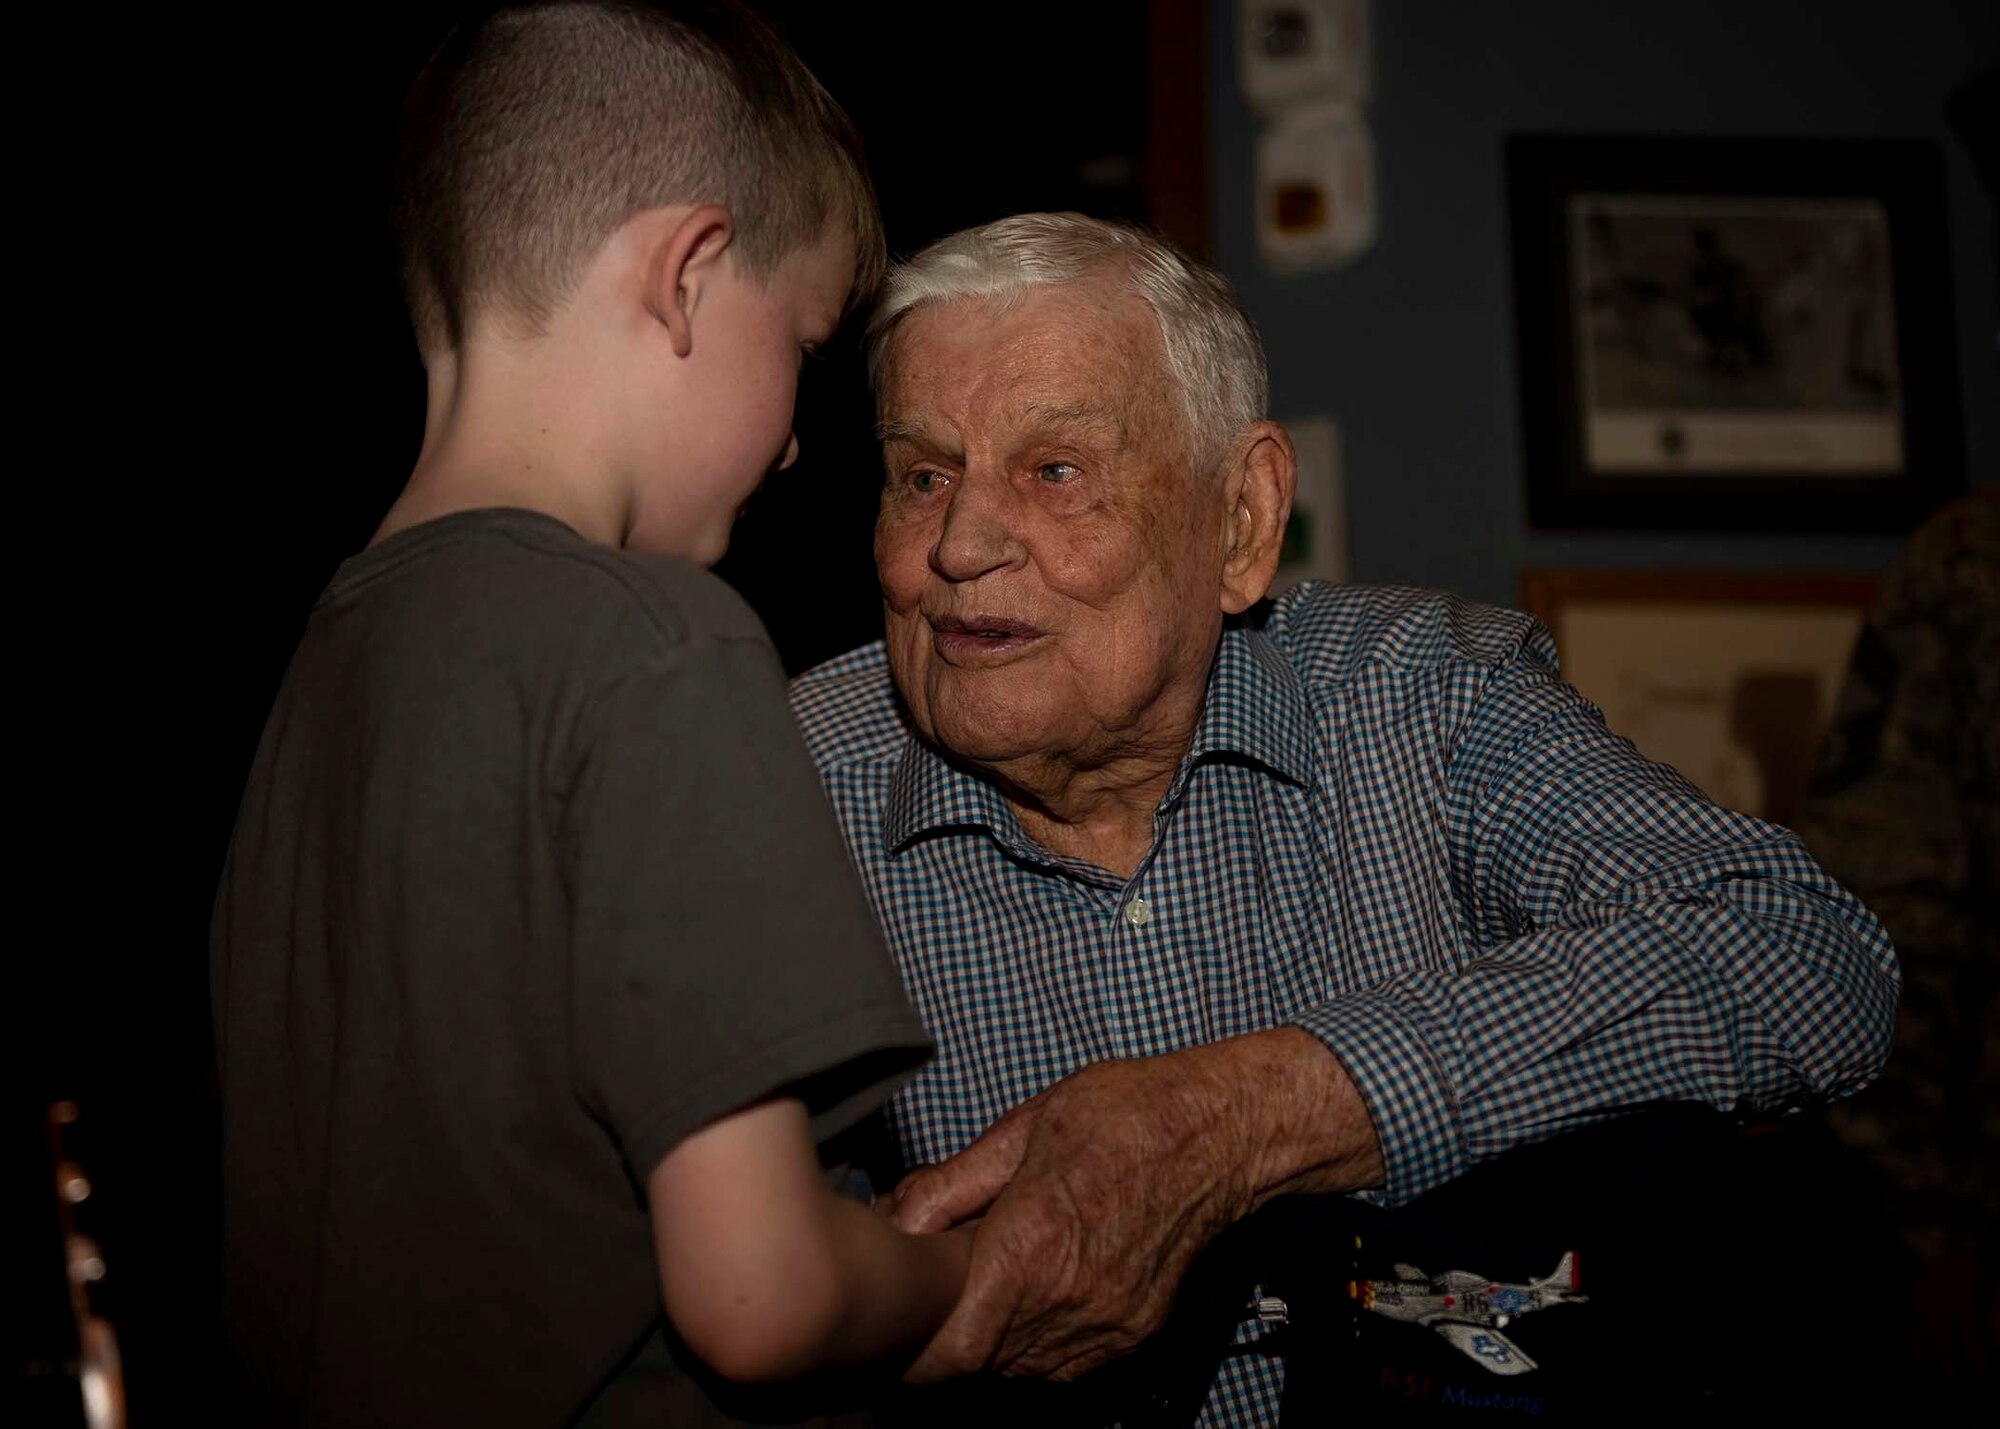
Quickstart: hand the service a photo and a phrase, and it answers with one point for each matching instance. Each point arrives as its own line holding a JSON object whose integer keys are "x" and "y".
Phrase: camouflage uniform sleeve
{"x": 1905, "y": 810}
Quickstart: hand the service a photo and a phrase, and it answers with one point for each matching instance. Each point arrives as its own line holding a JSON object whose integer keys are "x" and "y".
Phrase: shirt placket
{"x": 1156, "y": 993}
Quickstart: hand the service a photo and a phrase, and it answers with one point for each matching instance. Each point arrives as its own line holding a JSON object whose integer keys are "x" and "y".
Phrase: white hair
{"x": 1212, "y": 347}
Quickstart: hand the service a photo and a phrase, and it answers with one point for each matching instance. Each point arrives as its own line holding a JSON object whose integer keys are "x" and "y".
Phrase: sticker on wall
{"x": 1315, "y": 545}
{"x": 1295, "y": 50}
{"x": 1315, "y": 189}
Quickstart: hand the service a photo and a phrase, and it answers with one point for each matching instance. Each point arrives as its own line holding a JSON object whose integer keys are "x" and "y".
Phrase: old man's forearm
{"x": 1312, "y": 1130}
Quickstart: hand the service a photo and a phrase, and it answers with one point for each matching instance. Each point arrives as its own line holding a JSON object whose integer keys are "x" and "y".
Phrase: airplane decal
{"x": 1469, "y": 1310}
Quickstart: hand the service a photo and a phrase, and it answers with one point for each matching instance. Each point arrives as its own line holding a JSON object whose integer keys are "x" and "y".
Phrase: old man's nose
{"x": 977, "y": 535}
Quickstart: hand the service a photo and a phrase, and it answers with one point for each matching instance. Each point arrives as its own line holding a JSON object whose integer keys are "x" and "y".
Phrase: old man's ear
{"x": 1258, "y": 482}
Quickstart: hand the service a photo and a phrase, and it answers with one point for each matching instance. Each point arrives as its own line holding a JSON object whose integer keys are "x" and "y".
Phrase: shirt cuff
{"x": 1387, "y": 1048}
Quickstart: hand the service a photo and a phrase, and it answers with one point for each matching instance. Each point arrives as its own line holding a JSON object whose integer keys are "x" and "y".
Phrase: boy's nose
{"x": 791, "y": 451}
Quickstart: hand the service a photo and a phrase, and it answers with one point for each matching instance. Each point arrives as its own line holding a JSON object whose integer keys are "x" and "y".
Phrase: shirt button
{"x": 1137, "y": 913}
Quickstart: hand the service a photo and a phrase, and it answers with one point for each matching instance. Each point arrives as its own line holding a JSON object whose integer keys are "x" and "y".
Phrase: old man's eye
{"x": 925, "y": 479}
{"x": 1056, "y": 472}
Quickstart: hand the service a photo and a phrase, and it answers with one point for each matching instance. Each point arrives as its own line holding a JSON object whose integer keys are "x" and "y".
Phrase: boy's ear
{"x": 680, "y": 260}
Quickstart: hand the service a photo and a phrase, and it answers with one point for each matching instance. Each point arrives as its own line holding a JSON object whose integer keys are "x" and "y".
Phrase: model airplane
{"x": 1469, "y": 1310}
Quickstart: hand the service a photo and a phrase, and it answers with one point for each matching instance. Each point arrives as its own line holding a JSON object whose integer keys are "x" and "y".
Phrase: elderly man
{"x": 1206, "y": 901}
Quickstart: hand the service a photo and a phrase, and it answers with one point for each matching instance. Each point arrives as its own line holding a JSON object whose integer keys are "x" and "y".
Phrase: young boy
{"x": 538, "y": 961}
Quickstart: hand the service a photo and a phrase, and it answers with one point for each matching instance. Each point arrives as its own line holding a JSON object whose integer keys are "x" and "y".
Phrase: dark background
{"x": 226, "y": 400}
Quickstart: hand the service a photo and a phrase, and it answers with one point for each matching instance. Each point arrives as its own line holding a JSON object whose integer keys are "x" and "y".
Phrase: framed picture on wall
{"x": 1729, "y": 677}
{"x": 1733, "y": 334}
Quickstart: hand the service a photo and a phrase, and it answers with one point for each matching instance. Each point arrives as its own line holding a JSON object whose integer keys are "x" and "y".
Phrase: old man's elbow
{"x": 1839, "y": 1019}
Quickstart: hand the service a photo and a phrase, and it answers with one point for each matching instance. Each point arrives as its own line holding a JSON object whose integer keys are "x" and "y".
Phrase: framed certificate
{"x": 1721, "y": 334}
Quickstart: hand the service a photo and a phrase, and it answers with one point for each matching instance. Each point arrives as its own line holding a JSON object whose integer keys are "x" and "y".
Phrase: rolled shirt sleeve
{"x": 1630, "y": 943}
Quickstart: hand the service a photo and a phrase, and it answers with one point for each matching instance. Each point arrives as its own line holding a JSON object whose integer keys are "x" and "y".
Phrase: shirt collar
{"x": 1255, "y": 708}
{"x": 929, "y": 792}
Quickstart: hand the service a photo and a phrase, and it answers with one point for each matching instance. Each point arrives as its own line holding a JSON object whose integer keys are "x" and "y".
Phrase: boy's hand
{"x": 954, "y": 1248}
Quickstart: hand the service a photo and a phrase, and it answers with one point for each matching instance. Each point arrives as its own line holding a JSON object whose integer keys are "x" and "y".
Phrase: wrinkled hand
{"x": 1100, "y": 1191}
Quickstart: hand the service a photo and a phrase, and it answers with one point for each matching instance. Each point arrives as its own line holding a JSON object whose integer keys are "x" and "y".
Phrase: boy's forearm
{"x": 896, "y": 1288}
{"x": 770, "y": 1276}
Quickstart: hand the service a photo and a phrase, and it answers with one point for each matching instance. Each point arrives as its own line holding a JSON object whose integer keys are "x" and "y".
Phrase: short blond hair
{"x": 537, "y": 129}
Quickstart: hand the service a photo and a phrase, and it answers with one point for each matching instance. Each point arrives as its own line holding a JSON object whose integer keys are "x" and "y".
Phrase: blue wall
{"x": 1412, "y": 346}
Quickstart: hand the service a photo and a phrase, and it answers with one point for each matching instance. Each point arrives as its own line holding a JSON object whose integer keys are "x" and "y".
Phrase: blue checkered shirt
{"x": 1397, "y": 828}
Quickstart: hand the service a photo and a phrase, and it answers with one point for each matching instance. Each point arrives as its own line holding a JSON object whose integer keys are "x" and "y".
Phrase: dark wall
{"x": 1411, "y": 348}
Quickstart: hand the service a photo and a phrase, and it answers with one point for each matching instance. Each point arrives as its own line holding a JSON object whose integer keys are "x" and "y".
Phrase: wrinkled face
{"x": 1049, "y": 563}
{"x": 748, "y": 340}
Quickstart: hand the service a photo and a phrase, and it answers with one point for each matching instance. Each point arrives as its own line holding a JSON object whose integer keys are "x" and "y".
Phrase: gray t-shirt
{"x": 532, "y": 878}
